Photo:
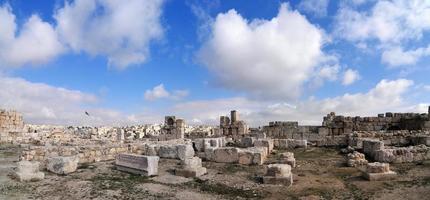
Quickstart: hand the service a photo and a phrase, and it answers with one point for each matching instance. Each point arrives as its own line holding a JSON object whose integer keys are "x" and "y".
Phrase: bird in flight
{"x": 87, "y": 113}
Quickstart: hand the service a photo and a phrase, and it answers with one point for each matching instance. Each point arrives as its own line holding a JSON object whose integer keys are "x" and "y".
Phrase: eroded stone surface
{"x": 62, "y": 165}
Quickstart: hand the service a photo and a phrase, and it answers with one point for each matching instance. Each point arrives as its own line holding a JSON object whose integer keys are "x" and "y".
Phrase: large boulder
{"x": 62, "y": 165}
{"x": 28, "y": 171}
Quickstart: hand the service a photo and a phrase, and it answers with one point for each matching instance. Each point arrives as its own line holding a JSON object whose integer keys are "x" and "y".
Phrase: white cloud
{"x": 396, "y": 56}
{"x": 121, "y": 31}
{"x": 159, "y": 92}
{"x": 350, "y": 76}
{"x": 265, "y": 58}
{"x": 316, "y": 7}
{"x": 387, "y": 21}
{"x": 34, "y": 43}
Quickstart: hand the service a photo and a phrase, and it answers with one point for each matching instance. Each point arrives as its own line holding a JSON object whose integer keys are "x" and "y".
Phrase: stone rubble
{"x": 356, "y": 159}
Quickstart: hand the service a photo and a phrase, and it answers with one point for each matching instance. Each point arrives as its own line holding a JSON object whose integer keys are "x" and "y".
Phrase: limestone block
{"x": 199, "y": 144}
{"x": 168, "y": 151}
{"x": 209, "y": 153}
{"x": 28, "y": 171}
{"x": 288, "y": 158}
{"x": 62, "y": 165}
{"x": 226, "y": 155}
{"x": 185, "y": 151}
{"x": 278, "y": 170}
{"x": 278, "y": 174}
{"x": 379, "y": 171}
{"x": 377, "y": 167}
{"x": 191, "y": 167}
{"x": 371, "y": 146}
{"x": 137, "y": 164}
{"x": 252, "y": 155}
{"x": 190, "y": 163}
{"x": 248, "y": 141}
{"x": 268, "y": 143}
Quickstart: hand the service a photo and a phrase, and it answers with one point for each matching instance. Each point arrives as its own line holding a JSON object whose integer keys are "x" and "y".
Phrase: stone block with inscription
{"x": 137, "y": 164}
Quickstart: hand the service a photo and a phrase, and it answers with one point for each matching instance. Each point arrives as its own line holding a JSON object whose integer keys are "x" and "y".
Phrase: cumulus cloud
{"x": 159, "y": 92}
{"x": 387, "y": 21}
{"x": 387, "y": 95}
{"x": 41, "y": 103}
{"x": 265, "y": 58}
{"x": 121, "y": 31}
{"x": 350, "y": 76}
{"x": 316, "y": 7}
{"x": 36, "y": 42}
{"x": 397, "y": 57}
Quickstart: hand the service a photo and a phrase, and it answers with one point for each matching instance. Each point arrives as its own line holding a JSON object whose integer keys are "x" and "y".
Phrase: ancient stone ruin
{"x": 369, "y": 144}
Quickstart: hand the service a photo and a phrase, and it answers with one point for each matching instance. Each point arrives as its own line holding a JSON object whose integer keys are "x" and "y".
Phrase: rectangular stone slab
{"x": 137, "y": 164}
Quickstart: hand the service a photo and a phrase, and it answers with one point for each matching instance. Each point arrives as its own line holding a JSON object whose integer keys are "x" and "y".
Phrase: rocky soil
{"x": 320, "y": 174}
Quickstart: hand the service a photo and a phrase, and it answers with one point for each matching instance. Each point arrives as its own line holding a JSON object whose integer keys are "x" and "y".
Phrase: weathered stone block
{"x": 378, "y": 171}
{"x": 278, "y": 174}
{"x": 252, "y": 155}
{"x": 185, "y": 151}
{"x": 268, "y": 143}
{"x": 371, "y": 146}
{"x": 288, "y": 158}
{"x": 62, "y": 165}
{"x": 226, "y": 155}
{"x": 137, "y": 164}
{"x": 278, "y": 170}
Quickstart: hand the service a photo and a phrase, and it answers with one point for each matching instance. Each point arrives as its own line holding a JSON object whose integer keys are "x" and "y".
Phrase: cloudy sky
{"x": 135, "y": 61}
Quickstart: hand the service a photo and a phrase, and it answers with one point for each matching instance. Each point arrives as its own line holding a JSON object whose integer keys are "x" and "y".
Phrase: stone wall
{"x": 338, "y": 124}
{"x": 11, "y": 125}
{"x": 96, "y": 153}
{"x": 391, "y": 138}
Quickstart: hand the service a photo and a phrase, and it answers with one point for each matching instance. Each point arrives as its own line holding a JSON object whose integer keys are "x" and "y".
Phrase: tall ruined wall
{"x": 291, "y": 130}
{"x": 10, "y": 121}
{"x": 11, "y": 125}
{"x": 338, "y": 124}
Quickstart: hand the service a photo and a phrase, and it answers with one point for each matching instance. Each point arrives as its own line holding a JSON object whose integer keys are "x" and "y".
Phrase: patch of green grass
{"x": 315, "y": 153}
{"x": 123, "y": 182}
{"x": 10, "y": 189}
{"x": 322, "y": 192}
{"x": 233, "y": 168}
{"x": 86, "y": 166}
{"x": 225, "y": 190}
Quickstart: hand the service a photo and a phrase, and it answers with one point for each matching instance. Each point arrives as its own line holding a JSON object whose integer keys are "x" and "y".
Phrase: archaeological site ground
{"x": 381, "y": 157}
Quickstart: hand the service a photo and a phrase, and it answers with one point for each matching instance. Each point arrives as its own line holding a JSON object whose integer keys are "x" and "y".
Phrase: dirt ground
{"x": 320, "y": 174}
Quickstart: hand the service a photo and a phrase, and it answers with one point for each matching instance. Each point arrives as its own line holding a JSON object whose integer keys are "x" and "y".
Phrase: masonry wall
{"x": 338, "y": 124}
{"x": 11, "y": 125}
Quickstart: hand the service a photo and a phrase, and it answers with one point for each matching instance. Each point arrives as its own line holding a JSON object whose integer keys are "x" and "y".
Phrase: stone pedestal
{"x": 191, "y": 167}
{"x": 379, "y": 171}
{"x": 278, "y": 174}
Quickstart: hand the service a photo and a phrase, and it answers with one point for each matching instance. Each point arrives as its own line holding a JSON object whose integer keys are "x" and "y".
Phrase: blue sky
{"x": 134, "y": 62}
